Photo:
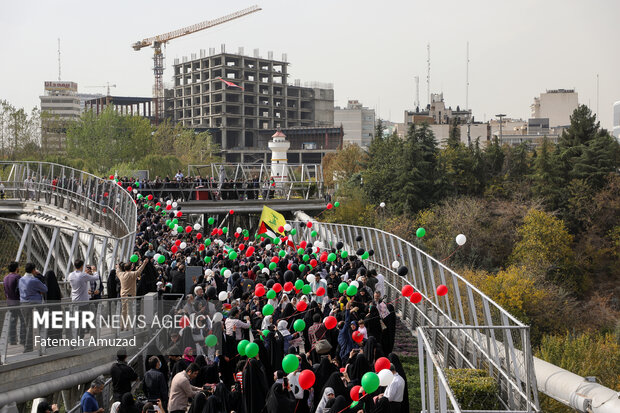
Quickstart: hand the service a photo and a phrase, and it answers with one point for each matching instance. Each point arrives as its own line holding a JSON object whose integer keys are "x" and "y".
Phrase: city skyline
{"x": 517, "y": 49}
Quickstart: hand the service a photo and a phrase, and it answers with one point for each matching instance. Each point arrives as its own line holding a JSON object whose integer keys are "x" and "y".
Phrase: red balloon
{"x": 301, "y": 306}
{"x": 313, "y": 262}
{"x": 330, "y": 322}
{"x": 120, "y": 183}
{"x": 231, "y": 212}
{"x": 174, "y": 249}
{"x": 111, "y": 177}
{"x": 199, "y": 236}
{"x": 275, "y": 259}
{"x": 323, "y": 257}
{"x": 249, "y": 252}
{"x": 415, "y": 298}
{"x": 246, "y": 238}
{"x": 306, "y": 379}
{"x": 290, "y": 265}
{"x": 288, "y": 286}
{"x": 330, "y": 206}
{"x": 237, "y": 235}
{"x": 259, "y": 291}
{"x": 355, "y": 393}
{"x": 158, "y": 203}
{"x": 220, "y": 231}
{"x": 442, "y": 290}
{"x": 290, "y": 243}
{"x": 184, "y": 322}
{"x": 105, "y": 194}
{"x": 168, "y": 207}
{"x": 277, "y": 287}
{"x": 179, "y": 214}
{"x": 320, "y": 291}
{"x": 309, "y": 224}
{"x": 284, "y": 239}
{"x": 259, "y": 285}
{"x": 201, "y": 247}
{"x": 407, "y": 290}
{"x": 177, "y": 242}
{"x": 381, "y": 364}
{"x": 303, "y": 244}
{"x": 129, "y": 189}
{"x": 281, "y": 229}
{"x": 358, "y": 337}
{"x": 150, "y": 197}
{"x": 241, "y": 247}
{"x": 188, "y": 229}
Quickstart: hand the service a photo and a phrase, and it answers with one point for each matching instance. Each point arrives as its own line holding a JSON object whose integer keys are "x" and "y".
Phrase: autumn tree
{"x": 340, "y": 166}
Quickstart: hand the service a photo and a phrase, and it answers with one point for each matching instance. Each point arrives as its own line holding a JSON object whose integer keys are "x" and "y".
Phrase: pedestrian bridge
{"x": 62, "y": 213}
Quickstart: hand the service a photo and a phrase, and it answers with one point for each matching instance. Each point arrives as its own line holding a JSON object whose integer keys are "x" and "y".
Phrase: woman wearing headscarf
{"x": 128, "y": 404}
{"x": 219, "y": 401}
{"x": 201, "y": 378}
{"x": 373, "y": 322}
{"x": 389, "y": 333}
{"x": 198, "y": 404}
{"x": 335, "y": 382}
{"x": 328, "y": 393}
{"x": 372, "y": 350}
{"x": 255, "y": 387}
{"x": 53, "y": 298}
{"x": 395, "y": 360}
{"x": 357, "y": 369}
{"x": 286, "y": 335}
{"x": 279, "y": 399}
{"x": 322, "y": 373}
{"x": 341, "y": 405}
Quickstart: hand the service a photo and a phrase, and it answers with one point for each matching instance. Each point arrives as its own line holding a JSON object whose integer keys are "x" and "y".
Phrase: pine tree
{"x": 546, "y": 179}
{"x": 454, "y": 135}
{"x": 599, "y": 157}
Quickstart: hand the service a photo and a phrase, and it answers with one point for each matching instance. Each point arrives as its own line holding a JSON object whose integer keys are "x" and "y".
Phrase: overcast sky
{"x": 369, "y": 50}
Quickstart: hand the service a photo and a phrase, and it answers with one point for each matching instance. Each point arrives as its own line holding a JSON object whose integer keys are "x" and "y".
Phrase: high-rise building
{"x": 557, "y": 105}
{"x": 60, "y": 105}
{"x": 616, "y": 130}
{"x": 237, "y": 97}
{"x": 358, "y": 123}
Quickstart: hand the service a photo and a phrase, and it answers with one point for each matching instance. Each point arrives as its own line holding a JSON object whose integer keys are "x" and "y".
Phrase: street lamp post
{"x": 501, "y": 123}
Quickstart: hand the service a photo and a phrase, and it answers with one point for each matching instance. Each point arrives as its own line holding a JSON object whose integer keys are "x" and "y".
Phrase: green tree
{"x": 599, "y": 157}
{"x": 454, "y": 135}
{"x": 546, "y": 178}
{"x": 340, "y": 166}
{"x": 382, "y": 170}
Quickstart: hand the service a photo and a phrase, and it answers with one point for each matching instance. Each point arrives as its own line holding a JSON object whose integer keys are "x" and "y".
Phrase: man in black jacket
{"x": 155, "y": 385}
{"x": 178, "y": 279}
{"x": 122, "y": 375}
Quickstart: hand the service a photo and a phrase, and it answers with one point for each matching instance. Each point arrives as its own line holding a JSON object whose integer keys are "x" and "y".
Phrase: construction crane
{"x": 162, "y": 39}
{"x": 108, "y": 86}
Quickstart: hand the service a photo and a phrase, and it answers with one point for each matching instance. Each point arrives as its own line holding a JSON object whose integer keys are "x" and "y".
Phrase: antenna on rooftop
{"x": 428, "y": 72}
{"x": 467, "y": 80}
{"x": 59, "y": 59}
{"x": 417, "y": 91}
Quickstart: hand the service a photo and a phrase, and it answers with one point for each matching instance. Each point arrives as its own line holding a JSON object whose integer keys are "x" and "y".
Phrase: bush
{"x": 473, "y": 389}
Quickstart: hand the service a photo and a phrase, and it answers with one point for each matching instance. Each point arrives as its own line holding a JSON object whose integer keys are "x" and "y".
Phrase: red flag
{"x": 231, "y": 84}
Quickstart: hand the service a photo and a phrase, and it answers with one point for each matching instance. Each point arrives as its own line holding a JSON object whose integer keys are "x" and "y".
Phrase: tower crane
{"x": 162, "y": 39}
{"x": 108, "y": 86}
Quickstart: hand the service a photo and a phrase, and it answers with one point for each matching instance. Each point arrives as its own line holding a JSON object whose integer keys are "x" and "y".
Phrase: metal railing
{"x": 101, "y": 202}
{"x": 478, "y": 333}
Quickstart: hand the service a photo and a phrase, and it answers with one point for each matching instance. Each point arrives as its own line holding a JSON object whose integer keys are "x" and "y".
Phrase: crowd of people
{"x": 293, "y": 325}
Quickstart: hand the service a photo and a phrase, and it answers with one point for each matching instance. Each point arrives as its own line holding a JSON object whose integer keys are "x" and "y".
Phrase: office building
{"x": 557, "y": 105}
{"x": 616, "y": 127}
{"x": 358, "y": 123}
{"x": 60, "y": 105}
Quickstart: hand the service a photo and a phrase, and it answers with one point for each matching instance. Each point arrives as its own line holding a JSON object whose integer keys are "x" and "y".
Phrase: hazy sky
{"x": 370, "y": 51}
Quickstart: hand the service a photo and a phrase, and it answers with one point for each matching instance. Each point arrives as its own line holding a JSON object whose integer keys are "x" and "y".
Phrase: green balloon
{"x": 211, "y": 221}
{"x": 271, "y": 294}
{"x": 299, "y": 325}
{"x": 245, "y": 233}
{"x": 161, "y": 259}
{"x": 336, "y": 204}
{"x": 281, "y": 253}
{"x": 344, "y": 254}
{"x": 175, "y": 221}
{"x": 241, "y": 347}
{"x": 306, "y": 257}
{"x": 300, "y": 251}
{"x": 277, "y": 240}
{"x": 299, "y": 284}
{"x": 306, "y": 289}
{"x": 302, "y": 267}
{"x": 365, "y": 255}
{"x": 225, "y": 230}
{"x": 207, "y": 259}
{"x": 309, "y": 267}
{"x": 232, "y": 255}
{"x": 331, "y": 257}
{"x": 139, "y": 196}
{"x": 342, "y": 287}
{"x": 351, "y": 290}
{"x": 134, "y": 258}
{"x": 179, "y": 229}
{"x": 222, "y": 271}
{"x": 261, "y": 265}
{"x": 211, "y": 340}
{"x": 273, "y": 266}
{"x": 293, "y": 231}
{"x": 355, "y": 403}
{"x": 251, "y": 350}
{"x": 156, "y": 207}
{"x": 265, "y": 334}
{"x": 370, "y": 382}
{"x": 290, "y": 363}
{"x": 313, "y": 234}
{"x": 168, "y": 221}
{"x": 268, "y": 308}
{"x": 420, "y": 232}
{"x": 207, "y": 242}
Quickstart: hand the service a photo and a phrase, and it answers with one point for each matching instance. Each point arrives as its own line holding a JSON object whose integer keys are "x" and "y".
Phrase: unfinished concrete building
{"x": 236, "y": 97}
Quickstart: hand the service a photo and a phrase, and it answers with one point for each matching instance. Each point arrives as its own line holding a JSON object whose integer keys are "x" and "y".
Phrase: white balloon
{"x": 217, "y": 317}
{"x": 315, "y": 250}
{"x": 183, "y": 245}
{"x": 223, "y": 295}
{"x": 208, "y": 272}
{"x": 268, "y": 247}
{"x": 197, "y": 227}
{"x": 168, "y": 202}
{"x": 174, "y": 204}
{"x": 316, "y": 243}
{"x": 461, "y": 239}
{"x": 188, "y": 259}
{"x": 385, "y": 377}
{"x": 265, "y": 270}
{"x": 227, "y": 273}
{"x": 239, "y": 230}
{"x": 175, "y": 227}
{"x": 382, "y": 204}
{"x": 355, "y": 283}
{"x": 135, "y": 191}
{"x": 395, "y": 265}
{"x": 311, "y": 278}
{"x": 219, "y": 242}
{"x": 287, "y": 227}
{"x": 156, "y": 257}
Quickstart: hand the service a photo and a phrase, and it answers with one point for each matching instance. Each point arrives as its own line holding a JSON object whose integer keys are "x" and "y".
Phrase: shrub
{"x": 473, "y": 389}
